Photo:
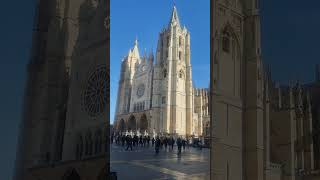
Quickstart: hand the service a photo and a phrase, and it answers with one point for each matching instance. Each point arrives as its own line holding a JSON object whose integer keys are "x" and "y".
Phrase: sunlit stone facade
{"x": 156, "y": 94}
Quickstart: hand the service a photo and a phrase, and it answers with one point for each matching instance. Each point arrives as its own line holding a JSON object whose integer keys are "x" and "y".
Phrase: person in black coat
{"x": 157, "y": 145}
{"x": 148, "y": 140}
{"x": 123, "y": 139}
{"x": 179, "y": 144}
{"x": 153, "y": 141}
{"x": 165, "y": 143}
{"x": 140, "y": 141}
{"x": 184, "y": 144}
{"x": 172, "y": 142}
{"x": 129, "y": 142}
{"x": 111, "y": 140}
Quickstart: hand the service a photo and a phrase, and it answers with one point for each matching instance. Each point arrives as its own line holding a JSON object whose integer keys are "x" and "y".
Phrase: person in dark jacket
{"x": 123, "y": 139}
{"x": 144, "y": 141}
{"x": 165, "y": 143}
{"x": 153, "y": 141}
{"x": 148, "y": 140}
{"x": 157, "y": 145}
{"x": 184, "y": 144}
{"x": 129, "y": 142}
{"x": 172, "y": 143}
{"x": 179, "y": 144}
{"x": 140, "y": 141}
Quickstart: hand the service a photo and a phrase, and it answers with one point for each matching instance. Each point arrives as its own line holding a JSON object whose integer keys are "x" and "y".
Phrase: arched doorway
{"x": 71, "y": 174}
{"x": 132, "y": 123}
{"x": 143, "y": 123}
{"x": 122, "y": 125}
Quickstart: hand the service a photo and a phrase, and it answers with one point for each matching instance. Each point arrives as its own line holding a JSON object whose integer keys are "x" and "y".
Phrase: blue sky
{"x": 144, "y": 19}
{"x": 16, "y": 19}
{"x": 290, "y": 38}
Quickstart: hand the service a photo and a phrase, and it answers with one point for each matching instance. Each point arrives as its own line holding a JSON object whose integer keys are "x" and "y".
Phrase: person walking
{"x": 161, "y": 142}
{"x": 179, "y": 144}
{"x": 144, "y": 141}
{"x": 129, "y": 143}
{"x": 184, "y": 144}
{"x": 157, "y": 145}
{"x": 172, "y": 143}
{"x": 123, "y": 139}
{"x": 165, "y": 143}
{"x": 153, "y": 141}
{"x": 188, "y": 142}
{"x": 148, "y": 140}
{"x": 140, "y": 141}
{"x": 135, "y": 140}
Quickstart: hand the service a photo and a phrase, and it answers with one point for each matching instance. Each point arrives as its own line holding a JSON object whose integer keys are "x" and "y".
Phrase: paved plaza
{"x": 143, "y": 163}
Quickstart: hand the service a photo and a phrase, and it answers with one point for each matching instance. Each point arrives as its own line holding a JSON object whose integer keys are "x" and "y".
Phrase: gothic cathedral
{"x": 159, "y": 97}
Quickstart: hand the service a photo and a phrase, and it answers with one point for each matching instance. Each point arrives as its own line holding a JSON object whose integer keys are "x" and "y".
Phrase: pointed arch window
{"x": 226, "y": 42}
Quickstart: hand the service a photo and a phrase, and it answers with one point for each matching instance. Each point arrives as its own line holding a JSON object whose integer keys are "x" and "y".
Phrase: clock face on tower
{"x": 94, "y": 100}
{"x": 140, "y": 90}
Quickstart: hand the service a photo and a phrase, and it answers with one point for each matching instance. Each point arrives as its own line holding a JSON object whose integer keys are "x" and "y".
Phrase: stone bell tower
{"x": 126, "y": 78}
{"x": 172, "y": 88}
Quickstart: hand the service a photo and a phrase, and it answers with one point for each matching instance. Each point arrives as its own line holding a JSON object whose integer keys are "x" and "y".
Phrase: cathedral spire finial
{"x": 136, "y": 41}
{"x": 174, "y": 16}
{"x": 135, "y": 50}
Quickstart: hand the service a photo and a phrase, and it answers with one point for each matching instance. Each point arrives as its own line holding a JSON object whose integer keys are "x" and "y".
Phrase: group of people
{"x": 131, "y": 140}
{"x": 158, "y": 142}
{"x": 161, "y": 142}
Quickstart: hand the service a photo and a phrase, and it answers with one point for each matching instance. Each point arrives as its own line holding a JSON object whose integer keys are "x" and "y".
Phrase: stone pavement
{"x": 143, "y": 163}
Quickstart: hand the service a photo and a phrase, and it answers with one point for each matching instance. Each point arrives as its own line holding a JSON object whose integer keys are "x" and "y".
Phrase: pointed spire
{"x": 136, "y": 41}
{"x": 135, "y": 50}
{"x": 174, "y": 17}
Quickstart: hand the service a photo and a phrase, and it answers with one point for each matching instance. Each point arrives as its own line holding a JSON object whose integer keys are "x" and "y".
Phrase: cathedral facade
{"x": 65, "y": 122}
{"x": 156, "y": 94}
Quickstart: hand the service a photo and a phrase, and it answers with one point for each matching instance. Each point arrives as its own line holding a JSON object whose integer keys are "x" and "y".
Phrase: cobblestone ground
{"x": 143, "y": 163}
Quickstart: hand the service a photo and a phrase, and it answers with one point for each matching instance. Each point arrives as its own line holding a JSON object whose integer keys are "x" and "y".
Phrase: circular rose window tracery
{"x": 95, "y": 94}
